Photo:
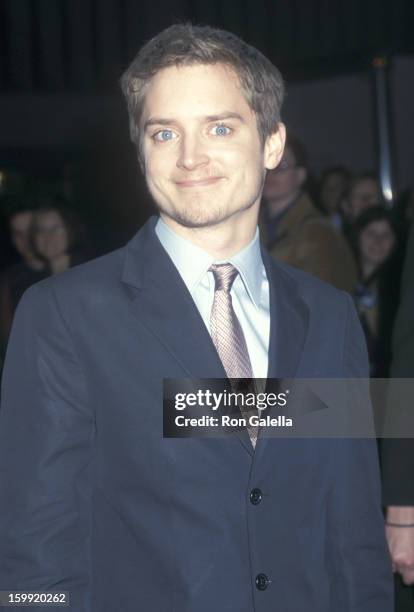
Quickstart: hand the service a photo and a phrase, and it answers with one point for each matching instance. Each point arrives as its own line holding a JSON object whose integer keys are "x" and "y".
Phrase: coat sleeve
{"x": 363, "y": 569}
{"x": 46, "y": 441}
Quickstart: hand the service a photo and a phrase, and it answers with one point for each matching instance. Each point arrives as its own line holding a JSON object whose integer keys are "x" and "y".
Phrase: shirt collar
{"x": 250, "y": 266}
{"x": 192, "y": 262}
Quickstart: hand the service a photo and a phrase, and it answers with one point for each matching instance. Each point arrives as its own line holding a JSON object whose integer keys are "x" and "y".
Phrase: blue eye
{"x": 164, "y": 135}
{"x": 221, "y": 130}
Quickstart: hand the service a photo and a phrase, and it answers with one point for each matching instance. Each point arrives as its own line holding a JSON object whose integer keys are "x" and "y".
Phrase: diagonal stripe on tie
{"x": 227, "y": 333}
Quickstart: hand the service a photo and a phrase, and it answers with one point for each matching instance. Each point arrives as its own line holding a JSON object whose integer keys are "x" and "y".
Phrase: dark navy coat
{"x": 96, "y": 502}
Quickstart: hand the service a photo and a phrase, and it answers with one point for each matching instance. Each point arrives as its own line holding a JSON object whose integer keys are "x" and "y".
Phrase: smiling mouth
{"x": 199, "y": 183}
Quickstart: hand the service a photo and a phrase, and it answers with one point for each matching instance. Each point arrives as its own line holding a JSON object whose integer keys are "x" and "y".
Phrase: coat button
{"x": 256, "y": 496}
{"x": 262, "y": 582}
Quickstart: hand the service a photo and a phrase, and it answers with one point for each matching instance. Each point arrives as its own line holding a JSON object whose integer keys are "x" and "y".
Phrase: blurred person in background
{"x": 58, "y": 237}
{"x": 364, "y": 192}
{"x": 332, "y": 188}
{"x": 20, "y": 225}
{"x": 375, "y": 239}
{"x": 50, "y": 239}
{"x": 21, "y": 275}
{"x": 295, "y": 232}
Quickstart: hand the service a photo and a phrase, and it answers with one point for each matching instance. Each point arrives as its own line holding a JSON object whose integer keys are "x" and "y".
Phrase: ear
{"x": 274, "y": 145}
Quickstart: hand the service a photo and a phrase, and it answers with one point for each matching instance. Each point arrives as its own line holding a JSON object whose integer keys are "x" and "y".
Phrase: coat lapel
{"x": 289, "y": 320}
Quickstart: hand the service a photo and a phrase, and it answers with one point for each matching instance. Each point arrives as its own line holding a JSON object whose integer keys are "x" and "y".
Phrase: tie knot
{"x": 224, "y": 275}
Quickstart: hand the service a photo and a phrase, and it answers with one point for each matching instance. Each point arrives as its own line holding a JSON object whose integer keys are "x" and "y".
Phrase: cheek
{"x": 365, "y": 245}
{"x": 249, "y": 176}
{"x": 64, "y": 239}
{"x": 61, "y": 244}
{"x": 243, "y": 155}
{"x": 158, "y": 169}
{"x": 388, "y": 246}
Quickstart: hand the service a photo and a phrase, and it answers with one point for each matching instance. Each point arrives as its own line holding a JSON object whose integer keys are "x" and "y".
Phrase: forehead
{"x": 380, "y": 225}
{"x": 198, "y": 90}
{"x": 49, "y": 217}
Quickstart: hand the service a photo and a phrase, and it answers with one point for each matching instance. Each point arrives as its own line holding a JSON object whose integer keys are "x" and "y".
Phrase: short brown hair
{"x": 187, "y": 44}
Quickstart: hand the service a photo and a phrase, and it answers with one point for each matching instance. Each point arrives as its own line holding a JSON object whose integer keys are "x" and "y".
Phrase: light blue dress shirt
{"x": 250, "y": 290}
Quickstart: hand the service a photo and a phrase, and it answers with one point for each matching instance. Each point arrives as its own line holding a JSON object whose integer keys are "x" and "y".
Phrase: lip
{"x": 200, "y": 183}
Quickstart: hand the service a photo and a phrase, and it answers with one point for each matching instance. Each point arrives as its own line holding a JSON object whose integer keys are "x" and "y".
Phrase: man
{"x": 96, "y": 501}
{"x": 295, "y": 232}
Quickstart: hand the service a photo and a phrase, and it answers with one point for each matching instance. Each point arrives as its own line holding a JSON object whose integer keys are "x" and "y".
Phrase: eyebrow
{"x": 208, "y": 118}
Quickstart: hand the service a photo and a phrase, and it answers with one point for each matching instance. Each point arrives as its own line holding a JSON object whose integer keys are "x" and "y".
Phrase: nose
{"x": 192, "y": 153}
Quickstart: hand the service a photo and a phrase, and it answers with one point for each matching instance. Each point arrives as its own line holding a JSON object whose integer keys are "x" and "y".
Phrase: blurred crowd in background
{"x": 339, "y": 228}
{"x": 336, "y": 226}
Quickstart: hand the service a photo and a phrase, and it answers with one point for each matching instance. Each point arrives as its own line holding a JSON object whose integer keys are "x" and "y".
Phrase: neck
{"x": 223, "y": 240}
{"x": 59, "y": 264}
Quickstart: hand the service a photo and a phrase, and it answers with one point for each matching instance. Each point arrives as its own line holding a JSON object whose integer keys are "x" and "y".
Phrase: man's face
{"x": 202, "y": 156}
{"x": 284, "y": 183}
{"x": 20, "y": 225}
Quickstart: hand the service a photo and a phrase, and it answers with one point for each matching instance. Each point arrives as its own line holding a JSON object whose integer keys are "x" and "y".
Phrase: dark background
{"x": 62, "y": 117}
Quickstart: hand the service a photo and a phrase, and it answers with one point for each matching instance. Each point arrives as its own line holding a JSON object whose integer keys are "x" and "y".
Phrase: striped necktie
{"x": 228, "y": 337}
